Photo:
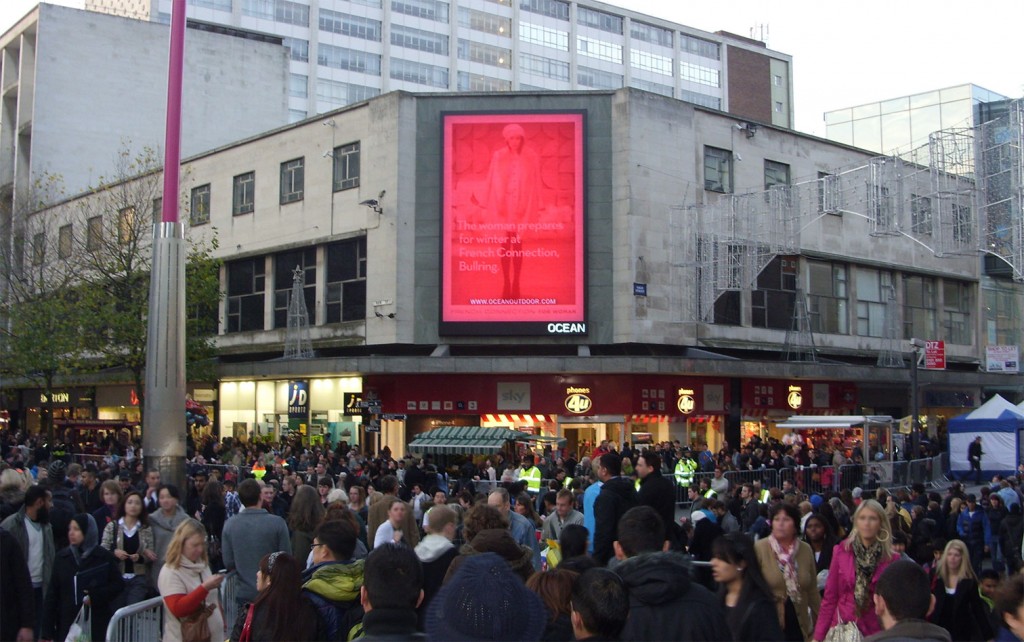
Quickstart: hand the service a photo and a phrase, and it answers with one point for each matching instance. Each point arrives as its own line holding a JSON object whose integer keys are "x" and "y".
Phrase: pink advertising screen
{"x": 512, "y": 224}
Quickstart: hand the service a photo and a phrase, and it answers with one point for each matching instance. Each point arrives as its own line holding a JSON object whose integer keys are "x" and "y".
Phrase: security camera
{"x": 917, "y": 343}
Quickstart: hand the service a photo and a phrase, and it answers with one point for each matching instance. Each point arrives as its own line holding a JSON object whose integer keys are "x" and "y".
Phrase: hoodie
{"x": 333, "y": 588}
{"x": 663, "y": 598}
{"x": 436, "y": 553}
{"x": 496, "y": 540}
{"x": 617, "y": 496}
{"x": 432, "y": 547}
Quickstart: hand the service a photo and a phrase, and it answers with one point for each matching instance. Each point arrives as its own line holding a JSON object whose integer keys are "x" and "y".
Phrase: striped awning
{"x": 450, "y": 440}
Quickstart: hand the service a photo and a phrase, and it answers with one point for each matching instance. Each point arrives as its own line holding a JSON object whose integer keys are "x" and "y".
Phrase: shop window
{"x": 285, "y": 265}
{"x": 246, "y": 284}
{"x": 826, "y": 297}
{"x": 346, "y": 281}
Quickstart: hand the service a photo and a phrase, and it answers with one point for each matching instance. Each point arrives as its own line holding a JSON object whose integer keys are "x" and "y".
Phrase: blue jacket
{"x": 333, "y": 588}
{"x": 974, "y": 527}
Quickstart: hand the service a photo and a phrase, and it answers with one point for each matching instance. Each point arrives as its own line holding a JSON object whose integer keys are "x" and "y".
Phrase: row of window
{"x": 829, "y": 300}
{"x": 344, "y": 266}
{"x": 292, "y": 184}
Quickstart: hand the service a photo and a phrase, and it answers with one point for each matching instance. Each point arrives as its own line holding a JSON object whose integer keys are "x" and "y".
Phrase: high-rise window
{"x": 298, "y": 49}
{"x": 243, "y": 196}
{"x": 246, "y": 284}
{"x": 419, "y": 39}
{"x": 542, "y": 66}
{"x": 554, "y": 8}
{"x": 485, "y": 54}
{"x": 429, "y": 9}
{"x": 717, "y": 169}
{"x": 298, "y": 85}
{"x": 419, "y": 73}
{"x": 346, "y": 166}
{"x": 598, "y": 79}
{"x": 199, "y": 212}
{"x": 285, "y": 264}
{"x": 956, "y": 312}
{"x": 293, "y": 13}
{"x": 699, "y": 74}
{"x": 699, "y": 47}
{"x": 918, "y": 307}
{"x": 484, "y": 22}
{"x": 826, "y": 297}
{"x": 874, "y": 287}
{"x": 598, "y": 19}
{"x": 650, "y": 62}
{"x": 704, "y": 100}
{"x": 349, "y": 25}
{"x": 650, "y": 33}
{"x": 546, "y": 36}
{"x": 653, "y": 87}
{"x": 343, "y": 93}
{"x": 346, "y": 281}
{"x": 599, "y": 49}
{"x": 466, "y": 81}
{"x": 293, "y": 175}
{"x": 348, "y": 59}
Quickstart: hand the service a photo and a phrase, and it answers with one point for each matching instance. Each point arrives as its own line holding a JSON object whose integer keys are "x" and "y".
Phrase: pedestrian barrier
{"x": 769, "y": 477}
{"x": 229, "y": 598}
{"x": 140, "y": 621}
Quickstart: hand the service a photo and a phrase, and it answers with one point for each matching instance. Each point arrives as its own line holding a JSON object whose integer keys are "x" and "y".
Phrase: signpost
{"x": 934, "y": 355}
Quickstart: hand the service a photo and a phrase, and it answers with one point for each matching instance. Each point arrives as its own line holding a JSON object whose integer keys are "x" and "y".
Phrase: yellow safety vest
{"x": 710, "y": 494}
{"x": 566, "y": 482}
{"x": 685, "y": 470}
{"x": 766, "y": 495}
{"x": 533, "y": 478}
{"x": 637, "y": 484}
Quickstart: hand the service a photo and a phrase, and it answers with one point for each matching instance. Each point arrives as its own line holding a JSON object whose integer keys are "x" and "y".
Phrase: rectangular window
{"x": 920, "y": 215}
{"x": 343, "y": 93}
{"x": 826, "y": 297}
{"x": 772, "y": 301}
{"x": 466, "y": 81}
{"x": 158, "y": 209}
{"x": 553, "y": 8}
{"x": 429, "y": 9}
{"x": 544, "y": 36}
{"x": 258, "y": 9}
{"x": 541, "y": 66}
{"x": 293, "y": 174}
{"x": 243, "y": 198}
{"x": 419, "y": 40}
{"x": 65, "y": 239}
{"x": 346, "y": 281}
{"x": 346, "y": 166}
{"x": 650, "y": 62}
{"x": 298, "y": 49}
{"x": 699, "y": 47}
{"x": 599, "y": 49}
{"x": 285, "y": 265}
{"x": 38, "y": 248}
{"x": 650, "y": 33}
{"x": 94, "y": 233}
{"x": 222, "y": 5}
{"x": 598, "y": 20}
{"x": 485, "y": 22}
{"x": 598, "y": 79}
{"x": 777, "y": 80}
{"x": 874, "y": 291}
{"x": 295, "y": 115}
{"x": 778, "y": 107}
{"x": 699, "y": 74}
{"x": 298, "y": 85}
{"x": 419, "y": 73}
{"x": 704, "y": 100}
{"x": 292, "y": 13}
{"x": 485, "y": 54}
{"x": 246, "y": 284}
{"x": 653, "y": 87}
{"x": 348, "y": 59}
{"x": 717, "y": 170}
{"x": 775, "y": 173}
{"x": 918, "y": 307}
{"x": 199, "y": 206}
{"x": 348, "y": 25}
{"x": 126, "y": 225}
{"x": 956, "y": 312}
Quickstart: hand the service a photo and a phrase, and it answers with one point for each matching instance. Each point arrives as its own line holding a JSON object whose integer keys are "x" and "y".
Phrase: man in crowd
{"x": 617, "y": 496}
{"x": 974, "y": 529}
{"x": 686, "y": 469}
{"x": 250, "y": 535}
{"x": 151, "y": 491}
{"x": 656, "y": 490}
{"x": 974, "y": 454}
{"x": 522, "y": 530}
{"x": 600, "y": 605}
{"x": 90, "y": 491}
{"x": 333, "y": 583}
{"x": 391, "y": 591}
{"x": 31, "y": 529}
{"x": 194, "y": 501}
{"x": 378, "y": 514}
{"x": 903, "y": 599}
{"x": 749, "y": 509}
{"x": 64, "y": 504}
{"x": 661, "y": 595}
{"x": 563, "y": 515}
{"x": 719, "y": 483}
{"x": 589, "y": 498}
{"x": 436, "y": 551}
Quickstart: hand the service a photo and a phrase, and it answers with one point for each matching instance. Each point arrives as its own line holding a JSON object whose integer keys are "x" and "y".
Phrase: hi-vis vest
{"x": 566, "y": 482}
{"x": 685, "y": 469}
{"x": 710, "y": 494}
{"x": 766, "y": 495}
{"x": 533, "y": 477}
{"x": 637, "y": 484}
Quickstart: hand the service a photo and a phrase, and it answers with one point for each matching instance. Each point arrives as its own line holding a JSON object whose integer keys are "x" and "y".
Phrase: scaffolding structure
{"x": 1000, "y": 144}
{"x": 297, "y": 344}
{"x": 891, "y": 356}
{"x": 799, "y": 345}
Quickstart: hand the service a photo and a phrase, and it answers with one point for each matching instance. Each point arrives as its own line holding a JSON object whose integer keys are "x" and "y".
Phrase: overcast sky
{"x": 845, "y": 53}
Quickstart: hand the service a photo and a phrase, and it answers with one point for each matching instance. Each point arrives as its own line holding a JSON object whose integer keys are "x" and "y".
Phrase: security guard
{"x": 686, "y": 468}
{"x": 763, "y": 495}
{"x": 531, "y": 475}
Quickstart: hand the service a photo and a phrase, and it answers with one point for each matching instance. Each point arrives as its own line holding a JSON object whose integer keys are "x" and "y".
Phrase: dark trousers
{"x": 37, "y": 598}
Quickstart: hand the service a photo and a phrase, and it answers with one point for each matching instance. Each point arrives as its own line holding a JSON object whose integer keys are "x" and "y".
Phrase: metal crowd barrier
{"x": 140, "y": 621}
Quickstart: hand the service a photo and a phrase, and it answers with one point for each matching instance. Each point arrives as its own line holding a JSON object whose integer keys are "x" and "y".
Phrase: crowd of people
{"x": 333, "y": 544}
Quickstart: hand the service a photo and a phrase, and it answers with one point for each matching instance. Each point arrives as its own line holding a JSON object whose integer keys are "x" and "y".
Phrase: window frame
{"x": 94, "y": 233}
{"x": 243, "y": 185}
{"x": 199, "y": 205}
{"x": 293, "y": 180}
{"x": 724, "y": 160}
{"x": 345, "y": 158}
{"x": 65, "y": 241}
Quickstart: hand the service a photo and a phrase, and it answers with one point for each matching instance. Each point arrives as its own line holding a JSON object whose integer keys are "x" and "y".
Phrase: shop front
{"x": 62, "y": 403}
{"x": 769, "y": 402}
{"x": 315, "y": 409}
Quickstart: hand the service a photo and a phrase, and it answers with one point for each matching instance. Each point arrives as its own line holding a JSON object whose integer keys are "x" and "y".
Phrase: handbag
{"x": 195, "y": 627}
{"x": 843, "y": 631}
{"x": 246, "y": 635}
{"x": 81, "y": 627}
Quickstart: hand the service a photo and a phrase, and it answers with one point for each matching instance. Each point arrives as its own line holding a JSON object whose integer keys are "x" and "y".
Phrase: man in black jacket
{"x": 661, "y": 596}
{"x": 749, "y": 510}
{"x": 656, "y": 490}
{"x": 618, "y": 495}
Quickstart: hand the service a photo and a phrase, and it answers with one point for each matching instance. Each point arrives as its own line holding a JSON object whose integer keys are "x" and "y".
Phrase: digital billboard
{"x": 512, "y": 224}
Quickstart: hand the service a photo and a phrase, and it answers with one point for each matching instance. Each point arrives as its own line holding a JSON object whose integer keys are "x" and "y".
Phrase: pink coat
{"x": 839, "y": 600}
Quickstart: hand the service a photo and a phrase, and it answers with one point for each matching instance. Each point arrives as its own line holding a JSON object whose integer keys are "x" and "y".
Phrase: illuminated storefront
{"x": 768, "y": 402}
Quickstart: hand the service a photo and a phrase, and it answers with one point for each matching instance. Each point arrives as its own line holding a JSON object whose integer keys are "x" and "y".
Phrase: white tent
{"x": 1000, "y": 424}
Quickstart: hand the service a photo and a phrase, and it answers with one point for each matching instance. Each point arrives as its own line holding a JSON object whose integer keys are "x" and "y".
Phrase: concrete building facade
{"x": 362, "y": 199}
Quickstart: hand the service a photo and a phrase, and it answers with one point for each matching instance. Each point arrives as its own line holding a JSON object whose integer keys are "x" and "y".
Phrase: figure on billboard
{"x": 513, "y": 197}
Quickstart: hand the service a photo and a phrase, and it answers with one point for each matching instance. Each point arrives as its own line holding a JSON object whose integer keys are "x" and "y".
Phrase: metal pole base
{"x": 172, "y": 471}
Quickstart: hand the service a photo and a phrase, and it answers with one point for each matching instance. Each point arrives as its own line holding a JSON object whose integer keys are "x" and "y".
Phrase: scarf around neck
{"x": 786, "y": 558}
{"x": 865, "y": 561}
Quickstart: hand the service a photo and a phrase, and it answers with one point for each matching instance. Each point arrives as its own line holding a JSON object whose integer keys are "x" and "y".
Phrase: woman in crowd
{"x": 486, "y": 531}
{"x": 857, "y": 563}
{"x": 306, "y": 514}
{"x": 280, "y": 612}
{"x": 524, "y": 506}
{"x": 186, "y": 584}
{"x": 84, "y": 572}
{"x": 818, "y": 534}
{"x": 111, "y": 494}
{"x": 212, "y": 515}
{"x": 324, "y": 487}
{"x": 130, "y": 539}
{"x": 787, "y": 565}
{"x": 391, "y": 529}
{"x": 555, "y": 590}
{"x": 749, "y": 602}
{"x": 958, "y": 605}
{"x": 357, "y": 501}
{"x": 164, "y": 522}
{"x": 952, "y": 518}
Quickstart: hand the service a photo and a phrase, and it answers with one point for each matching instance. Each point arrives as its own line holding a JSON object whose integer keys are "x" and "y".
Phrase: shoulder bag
{"x": 196, "y": 627}
{"x": 843, "y": 631}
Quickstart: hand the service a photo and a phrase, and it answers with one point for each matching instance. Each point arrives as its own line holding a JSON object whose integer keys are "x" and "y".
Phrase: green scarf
{"x": 866, "y": 561}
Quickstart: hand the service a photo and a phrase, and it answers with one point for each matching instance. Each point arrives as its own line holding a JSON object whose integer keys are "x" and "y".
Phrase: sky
{"x": 844, "y": 54}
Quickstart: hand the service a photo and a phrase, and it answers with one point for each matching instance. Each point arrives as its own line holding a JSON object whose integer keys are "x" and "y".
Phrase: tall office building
{"x": 344, "y": 51}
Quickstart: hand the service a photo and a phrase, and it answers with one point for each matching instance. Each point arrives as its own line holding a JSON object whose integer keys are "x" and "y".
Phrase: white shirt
{"x": 385, "y": 534}
{"x": 35, "y": 551}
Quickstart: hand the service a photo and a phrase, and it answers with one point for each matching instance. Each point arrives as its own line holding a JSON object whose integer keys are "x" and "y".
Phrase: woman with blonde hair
{"x": 958, "y": 605}
{"x": 857, "y": 563}
{"x": 186, "y": 584}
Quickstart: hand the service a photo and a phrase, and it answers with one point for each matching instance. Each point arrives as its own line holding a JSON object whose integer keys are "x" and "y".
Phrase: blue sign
{"x": 298, "y": 400}
{"x": 639, "y": 289}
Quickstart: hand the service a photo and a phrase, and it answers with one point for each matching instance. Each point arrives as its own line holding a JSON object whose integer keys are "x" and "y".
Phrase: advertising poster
{"x": 512, "y": 224}
{"x": 1002, "y": 359}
